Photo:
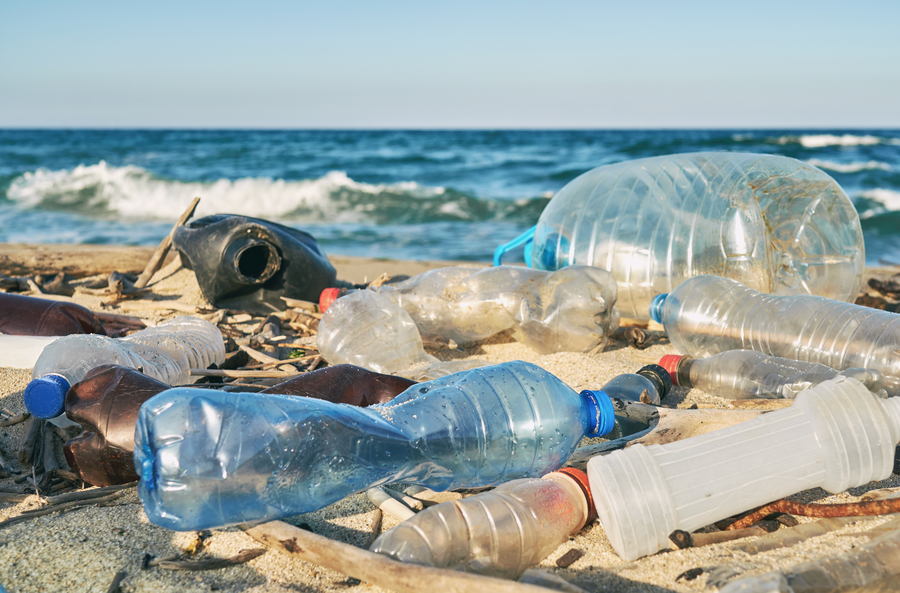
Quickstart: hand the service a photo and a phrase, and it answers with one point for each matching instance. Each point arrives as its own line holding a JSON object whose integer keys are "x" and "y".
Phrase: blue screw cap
{"x": 45, "y": 397}
{"x": 603, "y": 418}
{"x": 656, "y": 307}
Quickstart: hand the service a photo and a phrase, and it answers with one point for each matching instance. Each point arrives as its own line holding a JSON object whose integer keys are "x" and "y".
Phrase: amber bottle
{"x": 106, "y": 404}
{"x": 29, "y": 316}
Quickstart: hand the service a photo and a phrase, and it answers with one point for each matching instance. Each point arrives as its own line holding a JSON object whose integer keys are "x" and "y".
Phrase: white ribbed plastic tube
{"x": 836, "y": 435}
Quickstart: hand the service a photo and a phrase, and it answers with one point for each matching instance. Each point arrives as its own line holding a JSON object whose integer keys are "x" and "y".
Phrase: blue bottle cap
{"x": 656, "y": 307}
{"x": 45, "y": 397}
{"x": 603, "y": 418}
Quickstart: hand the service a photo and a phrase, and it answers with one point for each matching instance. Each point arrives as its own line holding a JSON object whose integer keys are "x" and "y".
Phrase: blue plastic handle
{"x": 526, "y": 238}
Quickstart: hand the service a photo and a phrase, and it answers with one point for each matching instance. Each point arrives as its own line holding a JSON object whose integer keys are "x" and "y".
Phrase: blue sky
{"x": 450, "y": 65}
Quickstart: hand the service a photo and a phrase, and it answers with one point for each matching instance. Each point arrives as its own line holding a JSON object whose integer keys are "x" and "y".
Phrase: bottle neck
{"x": 601, "y": 416}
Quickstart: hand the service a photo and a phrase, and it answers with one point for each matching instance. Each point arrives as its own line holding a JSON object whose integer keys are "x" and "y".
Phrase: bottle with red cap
{"x": 569, "y": 310}
{"x": 745, "y": 374}
{"x": 498, "y": 533}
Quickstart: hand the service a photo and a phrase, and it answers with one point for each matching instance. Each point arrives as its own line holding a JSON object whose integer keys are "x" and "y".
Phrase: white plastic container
{"x": 570, "y": 310}
{"x": 836, "y": 435}
{"x": 166, "y": 352}
{"x": 774, "y": 223}
{"x": 708, "y": 314}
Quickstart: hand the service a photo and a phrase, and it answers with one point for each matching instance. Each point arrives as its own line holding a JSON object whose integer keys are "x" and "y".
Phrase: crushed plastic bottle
{"x": 776, "y": 224}
{"x": 744, "y": 374}
{"x": 29, "y": 316}
{"x": 570, "y": 310}
{"x": 836, "y": 435}
{"x": 166, "y": 352}
{"x": 498, "y": 533}
{"x": 707, "y": 315}
{"x": 106, "y": 404}
{"x": 208, "y": 459}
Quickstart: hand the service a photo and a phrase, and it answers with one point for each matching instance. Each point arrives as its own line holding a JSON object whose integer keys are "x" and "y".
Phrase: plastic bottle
{"x": 166, "y": 352}
{"x": 648, "y": 385}
{"x": 209, "y": 459}
{"x": 106, "y": 404}
{"x": 568, "y": 310}
{"x": 249, "y": 263}
{"x": 29, "y": 316}
{"x": 708, "y": 314}
{"x": 776, "y": 224}
{"x": 836, "y": 435}
{"x": 743, "y": 374}
{"x": 498, "y": 533}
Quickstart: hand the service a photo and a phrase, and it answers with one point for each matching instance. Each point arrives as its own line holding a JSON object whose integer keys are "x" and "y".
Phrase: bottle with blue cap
{"x": 166, "y": 352}
{"x": 208, "y": 458}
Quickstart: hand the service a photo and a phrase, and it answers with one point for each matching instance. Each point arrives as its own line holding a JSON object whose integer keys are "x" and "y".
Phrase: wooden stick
{"x": 15, "y": 419}
{"x": 376, "y": 569}
{"x": 54, "y": 509}
{"x": 298, "y": 304}
{"x": 160, "y": 254}
{"x": 156, "y": 306}
{"x": 852, "y": 509}
{"x": 261, "y": 357}
{"x": 212, "y": 563}
{"x": 10, "y": 497}
{"x": 240, "y": 374}
{"x": 172, "y": 267}
{"x": 88, "y": 494}
{"x": 121, "y": 319}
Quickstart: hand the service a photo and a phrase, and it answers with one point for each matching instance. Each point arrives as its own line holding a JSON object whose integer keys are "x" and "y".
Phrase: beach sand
{"x": 83, "y": 549}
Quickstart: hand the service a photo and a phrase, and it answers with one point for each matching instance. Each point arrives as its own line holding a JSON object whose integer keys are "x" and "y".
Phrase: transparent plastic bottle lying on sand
{"x": 166, "y": 352}
{"x": 498, "y": 533}
{"x": 745, "y": 374}
{"x": 776, "y": 224}
{"x": 366, "y": 329}
{"x": 708, "y": 314}
{"x": 836, "y": 435}
{"x": 208, "y": 458}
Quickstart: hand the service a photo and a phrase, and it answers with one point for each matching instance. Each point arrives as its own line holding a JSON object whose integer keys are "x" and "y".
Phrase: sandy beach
{"x": 82, "y": 549}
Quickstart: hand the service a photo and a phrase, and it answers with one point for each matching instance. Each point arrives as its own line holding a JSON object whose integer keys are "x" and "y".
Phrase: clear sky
{"x": 458, "y": 64}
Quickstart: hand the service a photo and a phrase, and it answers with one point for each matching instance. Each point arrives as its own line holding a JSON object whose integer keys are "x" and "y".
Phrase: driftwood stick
{"x": 683, "y": 539}
{"x": 15, "y": 419}
{"x": 120, "y": 319}
{"x": 376, "y": 569}
{"x": 10, "y": 497}
{"x": 160, "y": 254}
{"x": 212, "y": 563}
{"x": 88, "y": 494}
{"x": 375, "y": 528}
{"x": 853, "y": 509}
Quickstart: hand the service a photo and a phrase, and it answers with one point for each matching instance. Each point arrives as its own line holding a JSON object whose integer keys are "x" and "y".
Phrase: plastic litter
{"x": 29, "y": 316}
{"x": 707, "y": 315}
{"x": 22, "y": 352}
{"x": 106, "y": 404}
{"x": 498, "y": 533}
{"x": 241, "y": 457}
{"x": 249, "y": 263}
{"x": 775, "y": 224}
{"x": 743, "y": 374}
{"x": 570, "y": 310}
{"x": 166, "y": 352}
{"x": 836, "y": 435}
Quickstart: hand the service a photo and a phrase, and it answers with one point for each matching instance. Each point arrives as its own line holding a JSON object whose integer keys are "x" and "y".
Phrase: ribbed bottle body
{"x": 773, "y": 223}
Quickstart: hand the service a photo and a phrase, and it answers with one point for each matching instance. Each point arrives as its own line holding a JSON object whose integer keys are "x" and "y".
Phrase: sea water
{"x": 399, "y": 194}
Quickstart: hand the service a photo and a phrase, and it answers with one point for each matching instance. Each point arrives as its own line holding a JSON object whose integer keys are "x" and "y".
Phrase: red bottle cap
{"x": 582, "y": 480}
{"x": 328, "y": 296}
{"x": 670, "y": 363}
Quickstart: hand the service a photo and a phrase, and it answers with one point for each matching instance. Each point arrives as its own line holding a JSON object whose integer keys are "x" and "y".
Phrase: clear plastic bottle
{"x": 743, "y": 374}
{"x": 774, "y": 223}
{"x": 498, "y": 533}
{"x": 707, "y": 315}
{"x": 166, "y": 352}
{"x": 649, "y": 385}
{"x": 208, "y": 458}
{"x": 836, "y": 435}
{"x": 570, "y": 310}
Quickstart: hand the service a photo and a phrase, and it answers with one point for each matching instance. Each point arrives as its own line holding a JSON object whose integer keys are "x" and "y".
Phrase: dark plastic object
{"x": 29, "y": 316}
{"x": 249, "y": 264}
{"x": 106, "y": 404}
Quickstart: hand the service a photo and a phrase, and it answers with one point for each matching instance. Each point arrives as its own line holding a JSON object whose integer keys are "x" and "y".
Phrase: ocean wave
{"x": 849, "y": 167}
{"x": 823, "y": 140}
{"x": 877, "y": 201}
{"x": 102, "y": 190}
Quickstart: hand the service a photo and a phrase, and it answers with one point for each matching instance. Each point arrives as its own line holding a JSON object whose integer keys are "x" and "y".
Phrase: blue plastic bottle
{"x": 208, "y": 458}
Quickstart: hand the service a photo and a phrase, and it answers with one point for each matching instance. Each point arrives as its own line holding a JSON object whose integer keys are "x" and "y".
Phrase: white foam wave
{"x": 823, "y": 140}
{"x": 849, "y": 167}
{"x": 888, "y": 200}
{"x": 134, "y": 192}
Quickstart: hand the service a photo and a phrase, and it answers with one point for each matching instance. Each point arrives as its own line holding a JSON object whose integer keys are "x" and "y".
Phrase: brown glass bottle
{"x": 29, "y": 316}
{"x": 106, "y": 404}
